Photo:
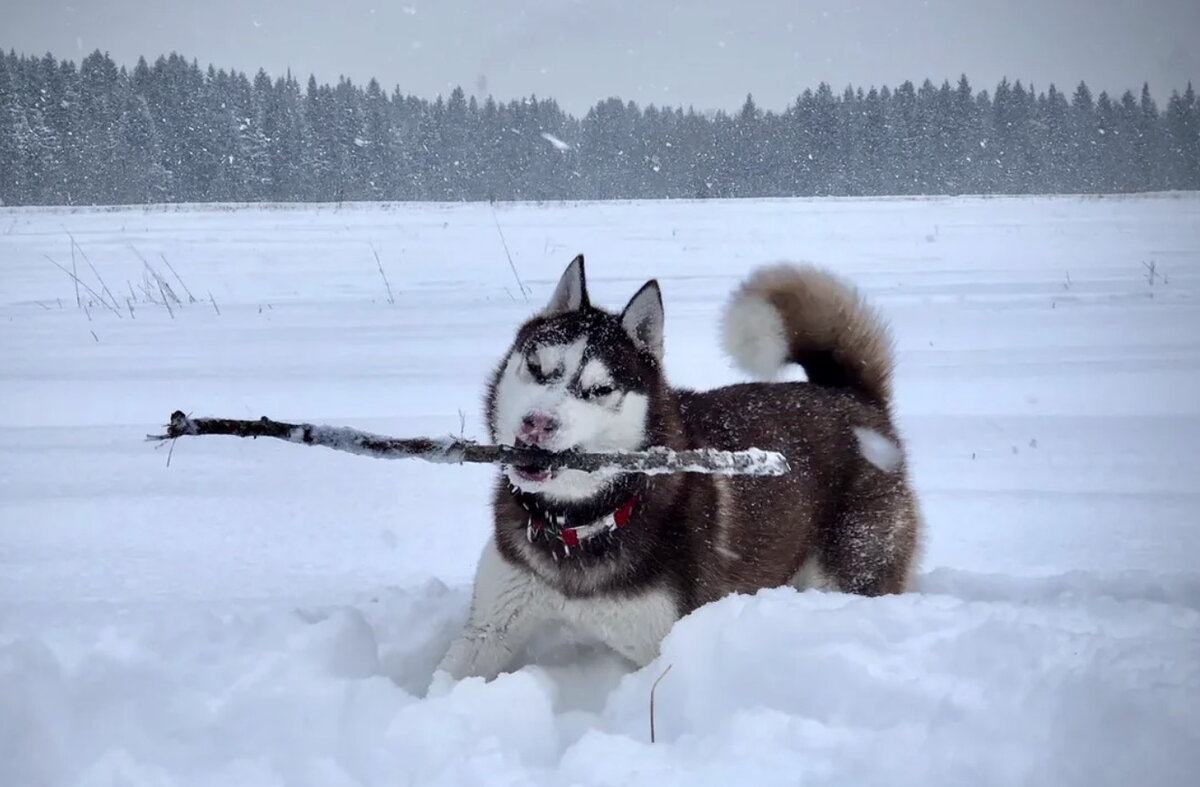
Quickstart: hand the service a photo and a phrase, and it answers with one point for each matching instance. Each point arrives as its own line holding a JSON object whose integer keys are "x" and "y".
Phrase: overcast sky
{"x": 705, "y": 53}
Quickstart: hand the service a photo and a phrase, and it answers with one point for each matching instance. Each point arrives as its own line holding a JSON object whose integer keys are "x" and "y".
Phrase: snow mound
{"x": 1051, "y": 683}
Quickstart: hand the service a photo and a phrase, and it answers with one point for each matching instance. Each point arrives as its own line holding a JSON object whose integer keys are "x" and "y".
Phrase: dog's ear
{"x": 643, "y": 319}
{"x": 571, "y": 293}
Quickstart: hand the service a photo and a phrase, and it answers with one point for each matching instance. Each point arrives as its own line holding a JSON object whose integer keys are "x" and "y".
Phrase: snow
{"x": 750, "y": 461}
{"x": 557, "y": 143}
{"x": 256, "y": 612}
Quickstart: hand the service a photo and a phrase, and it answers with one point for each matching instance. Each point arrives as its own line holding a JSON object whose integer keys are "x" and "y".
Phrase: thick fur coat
{"x": 621, "y": 557}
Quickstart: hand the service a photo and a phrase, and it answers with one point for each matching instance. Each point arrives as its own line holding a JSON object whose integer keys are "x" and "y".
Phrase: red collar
{"x": 573, "y": 536}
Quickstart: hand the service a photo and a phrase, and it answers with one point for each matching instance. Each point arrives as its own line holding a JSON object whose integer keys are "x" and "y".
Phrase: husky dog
{"x": 621, "y": 556}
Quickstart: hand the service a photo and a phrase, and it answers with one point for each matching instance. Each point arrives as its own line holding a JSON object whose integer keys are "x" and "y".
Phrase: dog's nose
{"x": 538, "y": 427}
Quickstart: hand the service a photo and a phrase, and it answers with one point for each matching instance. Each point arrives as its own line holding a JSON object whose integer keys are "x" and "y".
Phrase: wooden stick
{"x": 654, "y": 688}
{"x": 655, "y": 460}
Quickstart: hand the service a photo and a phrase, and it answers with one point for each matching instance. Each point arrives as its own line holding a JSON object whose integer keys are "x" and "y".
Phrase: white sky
{"x": 701, "y": 53}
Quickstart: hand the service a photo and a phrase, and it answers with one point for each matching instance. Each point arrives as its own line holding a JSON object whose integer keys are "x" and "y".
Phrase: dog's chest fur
{"x": 511, "y": 604}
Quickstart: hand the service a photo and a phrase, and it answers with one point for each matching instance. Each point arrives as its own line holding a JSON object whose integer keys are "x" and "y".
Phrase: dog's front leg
{"x": 507, "y": 607}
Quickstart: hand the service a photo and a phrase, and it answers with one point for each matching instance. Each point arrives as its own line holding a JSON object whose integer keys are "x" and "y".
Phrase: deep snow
{"x": 263, "y": 613}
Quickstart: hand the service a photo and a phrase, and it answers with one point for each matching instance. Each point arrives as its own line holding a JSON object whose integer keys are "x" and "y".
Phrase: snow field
{"x": 262, "y": 613}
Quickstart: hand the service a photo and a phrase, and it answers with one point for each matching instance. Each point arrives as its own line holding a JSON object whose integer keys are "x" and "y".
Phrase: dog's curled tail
{"x": 803, "y": 314}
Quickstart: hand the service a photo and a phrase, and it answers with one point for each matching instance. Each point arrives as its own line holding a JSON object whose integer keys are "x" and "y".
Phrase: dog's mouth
{"x": 534, "y": 472}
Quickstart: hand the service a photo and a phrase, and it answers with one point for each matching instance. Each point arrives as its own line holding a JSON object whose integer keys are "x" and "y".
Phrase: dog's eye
{"x": 596, "y": 391}
{"x": 538, "y": 374}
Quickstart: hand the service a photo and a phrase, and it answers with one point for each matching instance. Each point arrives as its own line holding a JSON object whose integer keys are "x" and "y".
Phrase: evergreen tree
{"x": 1150, "y": 149}
{"x": 746, "y": 154}
{"x": 962, "y": 139}
{"x": 283, "y": 132}
{"x": 317, "y": 154}
{"x": 825, "y": 144}
{"x": 14, "y": 184}
{"x": 1085, "y": 141}
{"x": 99, "y": 92}
{"x": 1183, "y": 140}
{"x": 140, "y": 148}
{"x": 1056, "y": 142}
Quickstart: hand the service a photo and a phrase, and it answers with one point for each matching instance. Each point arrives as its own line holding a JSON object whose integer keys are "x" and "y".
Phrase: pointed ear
{"x": 643, "y": 319}
{"x": 571, "y": 293}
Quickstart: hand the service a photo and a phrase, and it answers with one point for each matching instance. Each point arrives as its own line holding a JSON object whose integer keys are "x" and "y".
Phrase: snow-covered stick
{"x": 451, "y": 450}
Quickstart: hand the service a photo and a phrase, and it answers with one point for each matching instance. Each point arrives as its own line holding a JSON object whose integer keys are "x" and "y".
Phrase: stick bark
{"x": 753, "y": 461}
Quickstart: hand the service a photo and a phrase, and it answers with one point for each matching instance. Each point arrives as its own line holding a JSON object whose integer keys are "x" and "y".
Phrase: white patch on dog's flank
{"x": 724, "y": 518}
{"x": 812, "y": 577}
{"x": 754, "y": 336}
{"x": 879, "y": 450}
{"x": 609, "y": 423}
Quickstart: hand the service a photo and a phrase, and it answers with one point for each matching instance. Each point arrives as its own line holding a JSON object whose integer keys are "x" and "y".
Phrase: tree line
{"x": 170, "y": 131}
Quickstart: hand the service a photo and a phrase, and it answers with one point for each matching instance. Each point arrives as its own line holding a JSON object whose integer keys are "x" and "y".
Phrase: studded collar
{"x": 557, "y": 530}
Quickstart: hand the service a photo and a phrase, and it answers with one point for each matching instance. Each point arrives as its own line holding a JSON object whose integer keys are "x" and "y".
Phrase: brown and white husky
{"x": 621, "y": 556}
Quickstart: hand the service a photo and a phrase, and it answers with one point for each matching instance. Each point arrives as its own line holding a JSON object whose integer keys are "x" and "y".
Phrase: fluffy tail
{"x": 802, "y": 314}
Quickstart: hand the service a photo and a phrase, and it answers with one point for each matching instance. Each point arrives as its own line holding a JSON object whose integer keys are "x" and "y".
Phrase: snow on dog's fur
{"x": 620, "y": 556}
{"x": 562, "y": 374}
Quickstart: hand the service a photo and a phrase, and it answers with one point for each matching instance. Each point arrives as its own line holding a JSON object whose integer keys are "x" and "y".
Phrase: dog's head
{"x": 578, "y": 378}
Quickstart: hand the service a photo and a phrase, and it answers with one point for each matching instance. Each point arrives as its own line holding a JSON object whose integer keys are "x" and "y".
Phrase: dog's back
{"x": 844, "y": 518}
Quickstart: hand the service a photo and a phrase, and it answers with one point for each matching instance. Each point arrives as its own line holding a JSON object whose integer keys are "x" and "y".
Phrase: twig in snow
{"x": 379, "y": 264}
{"x": 511, "y": 264}
{"x": 75, "y": 275}
{"x": 144, "y": 286}
{"x": 96, "y": 273}
{"x": 654, "y": 688}
{"x": 164, "y": 286}
{"x": 81, "y": 283}
{"x": 652, "y": 461}
{"x": 182, "y": 283}
{"x": 166, "y": 302}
